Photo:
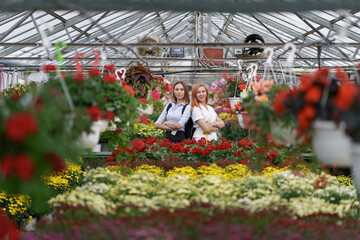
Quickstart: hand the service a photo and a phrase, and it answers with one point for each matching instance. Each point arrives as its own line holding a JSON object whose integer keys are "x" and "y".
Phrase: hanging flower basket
{"x": 233, "y": 101}
{"x": 331, "y": 145}
{"x": 91, "y": 139}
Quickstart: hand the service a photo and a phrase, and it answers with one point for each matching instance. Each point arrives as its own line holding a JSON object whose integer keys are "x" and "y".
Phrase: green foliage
{"x": 232, "y": 131}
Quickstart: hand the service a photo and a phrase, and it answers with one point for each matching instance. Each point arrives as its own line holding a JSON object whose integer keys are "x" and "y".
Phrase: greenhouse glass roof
{"x": 180, "y": 35}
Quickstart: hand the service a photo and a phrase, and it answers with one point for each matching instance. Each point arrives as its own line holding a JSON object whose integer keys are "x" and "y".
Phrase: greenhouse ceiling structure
{"x": 179, "y": 36}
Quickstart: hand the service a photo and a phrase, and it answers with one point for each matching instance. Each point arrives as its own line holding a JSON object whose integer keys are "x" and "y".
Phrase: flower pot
{"x": 103, "y": 124}
{"x": 148, "y": 110}
{"x": 331, "y": 145}
{"x": 89, "y": 140}
{"x": 241, "y": 120}
{"x": 233, "y": 101}
{"x": 97, "y": 148}
{"x": 283, "y": 135}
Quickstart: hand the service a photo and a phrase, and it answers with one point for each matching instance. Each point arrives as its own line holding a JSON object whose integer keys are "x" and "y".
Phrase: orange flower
{"x": 313, "y": 94}
{"x": 345, "y": 96}
{"x": 309, "y": 111}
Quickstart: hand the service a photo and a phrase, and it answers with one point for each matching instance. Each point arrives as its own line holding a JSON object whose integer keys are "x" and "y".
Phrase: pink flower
{"x": 262, "y": 98}
{"x": 155, "y": 95}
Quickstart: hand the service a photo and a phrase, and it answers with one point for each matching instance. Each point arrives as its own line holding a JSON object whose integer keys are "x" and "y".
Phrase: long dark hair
{"x": 186, "y": 92}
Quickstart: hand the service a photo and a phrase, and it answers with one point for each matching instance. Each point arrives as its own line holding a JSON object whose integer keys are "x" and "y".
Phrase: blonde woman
{"x": 203, "y": 115}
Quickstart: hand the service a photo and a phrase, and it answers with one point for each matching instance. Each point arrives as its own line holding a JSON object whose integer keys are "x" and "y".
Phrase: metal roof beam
{"x": 249, "y": 6}
{"x": 35, "y": 38}
{"x": 320, "y": 34}
{"x": 327, "y": 24}
{"x": 90, "y": 26}
{"x": 17, "y": 24}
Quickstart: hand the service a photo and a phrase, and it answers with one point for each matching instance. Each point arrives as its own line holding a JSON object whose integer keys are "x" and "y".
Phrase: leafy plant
{"x": 232, "y": 131}
{"x": 140, "y": 79}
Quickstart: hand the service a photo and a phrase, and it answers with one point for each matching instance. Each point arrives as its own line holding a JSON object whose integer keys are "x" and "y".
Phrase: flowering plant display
{"x": 235, "y": 86}
{"x": 315, "y": 98}
{"x": 34, "y": 142}
{"x": 347, "y": 102}
{"x": 259, "y": 106}
{"x": 101, "y": 97}
{"x": 141, "y": 79}
{"x": 242, "y": 151}
{"x": 145, "y": 130}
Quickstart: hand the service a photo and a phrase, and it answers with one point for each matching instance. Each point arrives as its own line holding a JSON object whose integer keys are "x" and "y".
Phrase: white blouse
{"x": 209, "y": 115}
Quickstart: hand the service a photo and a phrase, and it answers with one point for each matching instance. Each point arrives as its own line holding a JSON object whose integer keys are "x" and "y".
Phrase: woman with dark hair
{"x": 203, "y": 115}
{"x": 176, "y": 113}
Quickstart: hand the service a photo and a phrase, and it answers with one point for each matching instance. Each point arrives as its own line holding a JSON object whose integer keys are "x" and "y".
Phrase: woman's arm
{"x": 162, "y": 126}
{"x": 205, "y": 126}
{"x": 219, "y": 123}
{"x": 173, "y": 125}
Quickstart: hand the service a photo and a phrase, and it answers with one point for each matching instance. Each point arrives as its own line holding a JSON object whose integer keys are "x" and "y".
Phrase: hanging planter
{"x": 148, "y": 110}
{"x": 331, "y": 145}
{"x": 103, "y": 124}
{"x": 90, "y": 140}
{"x": 233, "y": 101}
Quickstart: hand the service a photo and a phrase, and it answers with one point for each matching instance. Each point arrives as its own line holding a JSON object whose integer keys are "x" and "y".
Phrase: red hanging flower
{"x": 224, "y": 74}
{"x": 155, "y": 95}
{"x": 94, "y": 113}
{"x": 143, "y": 100}
{"x": 313, "y": 94}
{"x": 19, "y": 125}
{"x": 48, "y": 68}
{"x": 110, "y": 67}
{"x": 109, "y": 78}
{"x": 94, "y": 72}
{"x": 109, "y": 115}
{"x": 19, "y": 165}
{"x": 345, "y": 96}
{"x": 57, "y": 162}
{"x": 80, "y": 77}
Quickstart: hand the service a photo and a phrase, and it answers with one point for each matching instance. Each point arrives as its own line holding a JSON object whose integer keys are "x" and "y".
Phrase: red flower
{"x": 94, "y": 113}
{"x": 56, "y": 161}
{"x": 48, "y": 68}
{"x": 19, "y": 165}
{"x": 242, "y": 86}
{"x": 307, "y": 81}
{"x": 345, "y": 96}
{"x": 128, "y": 89}
{"x": 279, "y": 106}
{"x": 109, "y": 115}
{"x": 117, "y": 131}
{"x": 154, "y": 148}
{"x": 138, "y": 145}
{"x": 155, "y": 95}
{"x": 110, "y": 67}
{"x": 224, "y": 74}
{"x": 309, "y": 111}
{"x": 313, "y": 94}
{"x": 39, "y": 103}
{"x": 8, "y": 229}
{"x": 19, "y": 125}
{"x": 80, "y": 77}
{"x": 109, "y": 78}
{"x": 94, "y": 72}
{"x": 143, "y": 100}
{"x": 272, "y": 155}
{"x": 143, "y": 118}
